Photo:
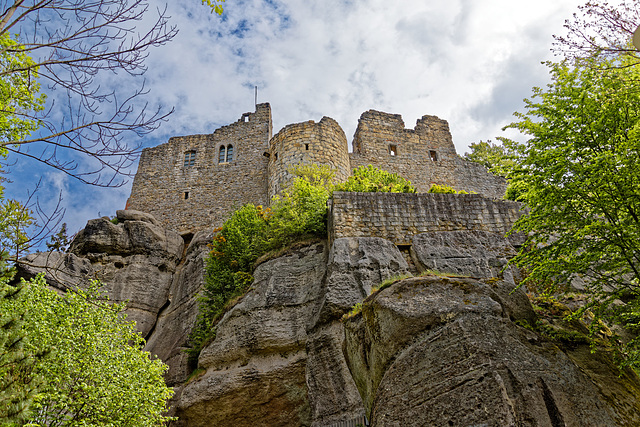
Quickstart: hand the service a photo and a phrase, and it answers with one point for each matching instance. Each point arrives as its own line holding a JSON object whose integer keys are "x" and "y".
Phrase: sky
{"x": 470, "y": 62}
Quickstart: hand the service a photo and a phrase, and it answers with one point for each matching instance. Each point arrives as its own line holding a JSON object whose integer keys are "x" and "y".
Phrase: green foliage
{"x": 96, "y": 372}
{"x": 15, "y": 219}
{"x": 318, "y": 175}
{"x": 498, "y": 158}
{"x": 60, "y": 240}
{"x": 388, "y": 282}
{"x": 298, "y": 213}
{"x": 445, "y": 189}
{"x": 18, "y": 383}
{"x": 369, "y": 179}
{"x": 19, "y": 92}
{"x": 214, "y": 5}
{"x": 355, "y": 310}
{"x": 579, "y": 174}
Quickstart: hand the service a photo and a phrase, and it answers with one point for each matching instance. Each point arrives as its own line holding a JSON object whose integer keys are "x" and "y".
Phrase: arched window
{"x": 189, "y": 158}
{"x": 229, "y": 153}
{"x": 221, "y": 156}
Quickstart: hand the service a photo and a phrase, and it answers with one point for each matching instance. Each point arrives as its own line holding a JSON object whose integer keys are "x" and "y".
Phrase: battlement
{"x": 196, "y": 181}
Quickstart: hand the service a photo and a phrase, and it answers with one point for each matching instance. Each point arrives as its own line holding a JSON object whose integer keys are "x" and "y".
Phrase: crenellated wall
{"x": 195, "y": 182}
{"x": 399, "y": 216}
{"x": 424, "y": 155}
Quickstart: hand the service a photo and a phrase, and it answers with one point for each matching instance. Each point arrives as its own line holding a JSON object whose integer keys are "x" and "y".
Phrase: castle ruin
{"x": 195, "y": 182}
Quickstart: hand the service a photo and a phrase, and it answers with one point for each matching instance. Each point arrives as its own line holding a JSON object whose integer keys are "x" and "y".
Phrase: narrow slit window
{"x": 433, "y": 155}
{"x": 222, "y": 154}
{"x": 276, "y": 156}
{"x": 393, "y": 150}
{"x": 189, "y": 158}
{"x": 306, "y": 147}
{"x": 186, "y": 195}
{"x": 229, "y": 153}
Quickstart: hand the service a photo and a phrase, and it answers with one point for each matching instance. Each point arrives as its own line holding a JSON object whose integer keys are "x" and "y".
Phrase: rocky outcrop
{"x": 443, "y": 351}
{"x": 283, "y": 341}
{"x": 134, "y": 259}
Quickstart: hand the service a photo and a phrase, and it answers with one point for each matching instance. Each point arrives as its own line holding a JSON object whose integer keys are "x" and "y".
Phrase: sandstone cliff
{"x": 426, "y": 350}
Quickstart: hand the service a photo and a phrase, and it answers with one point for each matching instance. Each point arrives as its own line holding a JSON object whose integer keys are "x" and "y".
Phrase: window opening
{"x": 189, "y": 158}
{"x": 229, "y": 153}
{"x": 222, "y": 154}
{"x": 276, "y": 156}
{"x": 434, "y": 155}
{"x": 393, "y": 150}
{"x": 186, "y": 195}
{"x": 306, "y": 147}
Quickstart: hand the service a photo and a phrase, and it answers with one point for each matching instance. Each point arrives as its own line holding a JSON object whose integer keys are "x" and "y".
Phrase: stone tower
{"x": 322, "y": 143}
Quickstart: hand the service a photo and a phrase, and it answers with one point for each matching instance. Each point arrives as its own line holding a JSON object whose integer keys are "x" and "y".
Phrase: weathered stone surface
{"x": 133, "y": 215}
{"x": 168, "y": 338}
{"x": 356, "y": 264}
{"x": 268, "y": 391}
{"x": 442, "y": 351}
{"x": 62, "y": 270}
{"x": 333, "y": 396}
{"x": 479, "y": 254}
{"x": 256, "y": 366}
{"x": 272, "y": 317}
{"x": 474, "y": 253}
{"x": 127, "y": 238}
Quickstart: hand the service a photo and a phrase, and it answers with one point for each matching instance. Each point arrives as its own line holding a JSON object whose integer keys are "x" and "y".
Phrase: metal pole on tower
{"x": 256, "y": 97}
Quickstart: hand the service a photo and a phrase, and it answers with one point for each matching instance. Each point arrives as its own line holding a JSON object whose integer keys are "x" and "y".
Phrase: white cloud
{"x": 468, "y": 62}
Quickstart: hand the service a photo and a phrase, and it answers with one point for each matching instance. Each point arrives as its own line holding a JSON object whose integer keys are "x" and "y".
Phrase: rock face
{"x": 443, "y": 351}
{"x": 277, "y": 358}
{"x": 432, "y": 350}
{"x": 136, "y": 261}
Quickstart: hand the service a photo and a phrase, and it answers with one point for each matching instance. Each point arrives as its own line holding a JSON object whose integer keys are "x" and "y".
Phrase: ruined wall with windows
{"x": 424, "y": 155}
{"x": 196, "y": 181}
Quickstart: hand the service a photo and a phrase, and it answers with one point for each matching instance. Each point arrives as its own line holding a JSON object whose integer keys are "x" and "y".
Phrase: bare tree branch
{"x": 76, "y": 45}
{"x": 599, "y": 29}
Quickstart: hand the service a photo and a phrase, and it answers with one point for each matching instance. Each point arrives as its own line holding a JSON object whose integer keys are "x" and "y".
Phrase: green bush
{"x": 445, "y": 189}
{"x": 252, "y": 231}
{"x": 372, "y": 180}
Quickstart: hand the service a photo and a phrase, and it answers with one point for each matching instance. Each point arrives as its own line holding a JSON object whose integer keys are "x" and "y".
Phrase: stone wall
{"x": 424, "y": 155}
{"x": 322, "y": 143}
{"x": 186, "y": 196}
{"x": 195, "y": 182}
{"x": 399, "y": 216}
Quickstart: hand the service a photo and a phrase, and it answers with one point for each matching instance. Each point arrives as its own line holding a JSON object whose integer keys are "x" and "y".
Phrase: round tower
{"x": 322, "y": 143}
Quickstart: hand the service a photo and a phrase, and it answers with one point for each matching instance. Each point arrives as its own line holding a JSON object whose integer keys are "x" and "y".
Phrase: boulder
{"x": 442, "y": 351}
{"x": 356, "y": 264}
{"x": 133, "y": 215}
{"x": 135, "y": 261}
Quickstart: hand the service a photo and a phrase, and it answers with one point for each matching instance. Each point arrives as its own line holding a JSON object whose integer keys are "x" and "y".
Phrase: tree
{"x": 76, "y": 47}
{"x": 580, "y": 170}
{"x": 214, "y": 5}
{"x": 601, "y": 30}
{"x": 96, "y": 372}
{"x": 498, "y": 158}
{"x": 18, "y": 384}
